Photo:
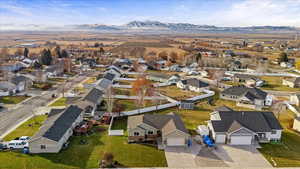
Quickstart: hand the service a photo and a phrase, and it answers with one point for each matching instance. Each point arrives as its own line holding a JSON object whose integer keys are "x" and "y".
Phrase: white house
{"x": 193, "y": 85}
{"x": 244, "y": 127}
{"x": 56, "y": 130}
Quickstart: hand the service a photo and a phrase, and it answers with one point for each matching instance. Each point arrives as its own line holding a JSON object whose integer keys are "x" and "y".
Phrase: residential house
{"x": 55, "y": 70}
{"x": 12, "y": 66}
{"x": 7, "y": 88}
{"x": 296, "y": 125}
{"x": 250, "y": 97}
{"x": 295, "y": 99}
{"x": 115, "y": 70}
{"x": 163, "y": 78}
{"x": 94, "y": 97}
{"x": 175, "y": 68}
{"x": 244, "y": 127}
{"x": 249, "y": 80}
{"x": 167, "y": 130}
{"x": 193, "y": 84}
{"x": 56, "y": 130}
{"x": 293, "y": 82}
{"x": 106, "y": 81}
{"x": 22, "y": 82}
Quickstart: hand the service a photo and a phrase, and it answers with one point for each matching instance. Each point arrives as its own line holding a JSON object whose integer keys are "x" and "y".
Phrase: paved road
{"x": 10, "y": 118}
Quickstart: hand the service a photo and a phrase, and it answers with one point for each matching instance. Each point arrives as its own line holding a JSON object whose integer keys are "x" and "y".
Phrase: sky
{"x": 118, "y": 12}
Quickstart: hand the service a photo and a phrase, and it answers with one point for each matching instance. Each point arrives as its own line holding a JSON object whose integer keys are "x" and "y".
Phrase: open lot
{"x": 275, "y": 83}
{"x": 177, "y": 93}
{"x": 88, "y": 155}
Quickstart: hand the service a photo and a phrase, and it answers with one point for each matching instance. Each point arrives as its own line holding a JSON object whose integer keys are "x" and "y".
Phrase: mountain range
{"x": 154, "y": 27}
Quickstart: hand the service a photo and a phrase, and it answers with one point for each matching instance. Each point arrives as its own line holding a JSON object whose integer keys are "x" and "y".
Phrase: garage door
{"x": 175, "y": 141}
{"x": 241, "y": 140}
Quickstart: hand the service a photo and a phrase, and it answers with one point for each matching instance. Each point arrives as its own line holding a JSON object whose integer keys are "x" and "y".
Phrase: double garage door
{"x": 175, "y": 141}
{"x": 240, "y": 140}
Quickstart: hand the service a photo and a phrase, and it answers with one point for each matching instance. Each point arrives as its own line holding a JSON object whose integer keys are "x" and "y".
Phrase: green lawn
{"x": 275, "y": 83}
{"x": 132, "y": 105}
{"x": 60, "y": 102}
{"x": 57, "y": 79}
{"x": 28, "y": 128}
{"x": 120, "y": 123}
{"x": 88, "y": 156}
{"x": 122, "y": 91}
{"x": 12, "y": 99}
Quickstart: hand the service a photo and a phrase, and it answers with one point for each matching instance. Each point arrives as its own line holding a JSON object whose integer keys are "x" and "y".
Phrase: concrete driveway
{"x": 193, "y": 157}
{"x": 241, "y": 156}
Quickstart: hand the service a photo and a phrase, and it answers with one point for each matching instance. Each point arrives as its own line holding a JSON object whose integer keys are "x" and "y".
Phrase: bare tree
{"x": 141, "y": 87}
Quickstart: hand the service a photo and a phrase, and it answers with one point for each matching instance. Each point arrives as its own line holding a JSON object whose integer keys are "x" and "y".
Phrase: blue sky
{"x": 208, "y": 12}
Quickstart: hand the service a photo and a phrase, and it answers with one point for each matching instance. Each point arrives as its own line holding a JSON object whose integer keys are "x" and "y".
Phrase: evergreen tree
{"x": 46, "y": 57}
{"x": 64, "y": 54}
{"x": 26, "y": 52}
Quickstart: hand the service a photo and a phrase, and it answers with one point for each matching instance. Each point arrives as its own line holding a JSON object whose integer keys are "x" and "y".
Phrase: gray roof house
{"x": 22, "y": 82}
{"x": 56, "y": 130}
{"x": 93, "y": 101}
{"x": 293, "y": 82}
{"x": 7, "y": 88}
{"x": 244, "y": 127}
{"x": 106, "y": 81}
{"x": 193, "y": 84}
{"x": 246, "y": 96}
{"x": 167, "y": 130}
{"x": 249, "y": 80}
{"x": 164, "y": 78}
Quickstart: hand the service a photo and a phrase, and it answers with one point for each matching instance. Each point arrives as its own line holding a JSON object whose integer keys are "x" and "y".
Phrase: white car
{"x": 24, "y": 138}
{"x": 17, "y": 144}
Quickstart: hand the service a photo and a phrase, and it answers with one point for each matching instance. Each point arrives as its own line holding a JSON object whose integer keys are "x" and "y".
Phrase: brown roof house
{"x": 166, "y": 130}
{"x": 293, "y": 82}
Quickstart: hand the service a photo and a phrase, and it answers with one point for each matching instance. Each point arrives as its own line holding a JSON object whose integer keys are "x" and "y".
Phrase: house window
{"x": 273, "y": 132}
{"x": 150, "y": 132}
{"x": 43, "y": 146}
{"x": 136, "y": 133}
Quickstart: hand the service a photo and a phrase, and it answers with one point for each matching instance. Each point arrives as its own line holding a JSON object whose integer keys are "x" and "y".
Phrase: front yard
{"x": 59, "y": 102}
{"x": 79, "y": 155}
{"x": 13, "y": 99}
{"x": 28, "y": 128}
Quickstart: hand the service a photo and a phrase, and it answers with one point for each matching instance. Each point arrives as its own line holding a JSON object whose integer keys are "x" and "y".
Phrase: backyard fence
{"x": 114, "y": 132}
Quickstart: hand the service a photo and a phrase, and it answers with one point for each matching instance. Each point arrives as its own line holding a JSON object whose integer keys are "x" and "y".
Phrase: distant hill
{"x": 160, "y": 27}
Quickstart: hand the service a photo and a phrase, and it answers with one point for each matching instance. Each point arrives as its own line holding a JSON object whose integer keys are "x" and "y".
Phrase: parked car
{"x": 2, "y": 146}
{"x": 24, "y": 138}
{"x": 17, "y": 144}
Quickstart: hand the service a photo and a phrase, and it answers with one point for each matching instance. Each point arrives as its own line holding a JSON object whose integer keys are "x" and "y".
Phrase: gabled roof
{"x": 223, "y": 108}
{"x": 94, "y": 95}
{"x": 7, "y": 86}
{"x": 166, "y": 123}
{"x": 109, "y": 76}
{"x": 61, "y": 124}
{"x": 245, "y": 91}
{"x": 295, "y": 80}
{"x": 195, "y": 83}
{"x": 252, "y": 120}
{"x": 17, "y": 79}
